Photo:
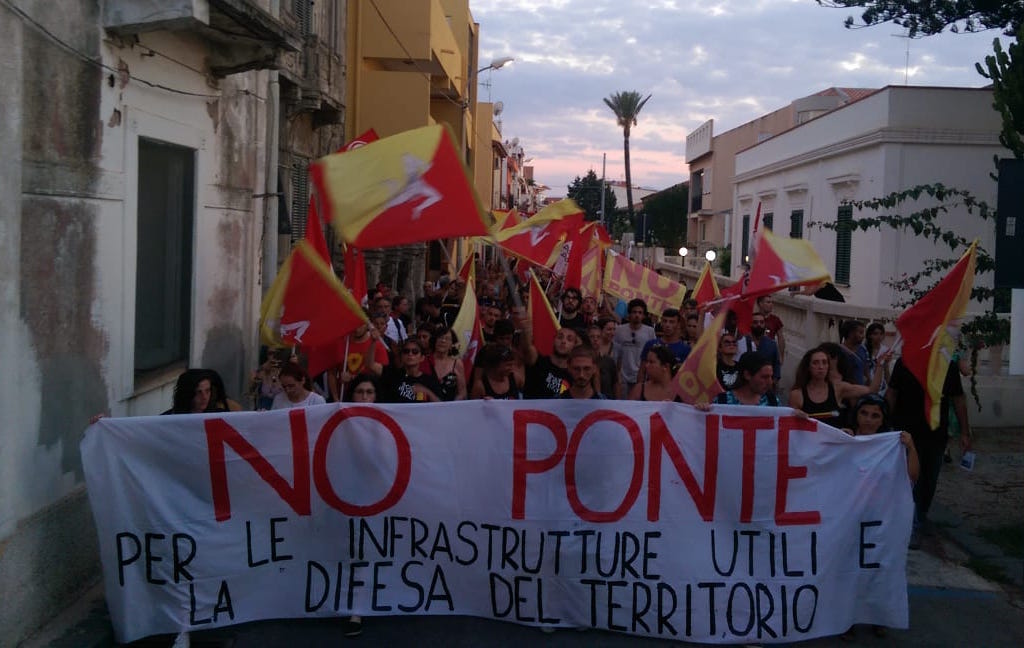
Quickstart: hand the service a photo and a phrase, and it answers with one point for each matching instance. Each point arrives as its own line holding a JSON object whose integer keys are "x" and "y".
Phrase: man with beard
{"x": 547, "y": 376}
{"x": 582, "y": 369}
{"x": 763, "y": 345}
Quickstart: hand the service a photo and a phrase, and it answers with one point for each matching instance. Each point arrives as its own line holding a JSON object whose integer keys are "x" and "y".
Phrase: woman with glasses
{"x": 727, "y": 370}
{"x": 657, "y": 384}
{"x": 407, "y": 382}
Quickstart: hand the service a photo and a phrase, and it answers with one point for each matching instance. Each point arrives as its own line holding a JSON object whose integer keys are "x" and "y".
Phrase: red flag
{"x": 315, "y": 232}
{"x": 782, "y": 262}
{"x": 360, "y": 141}
{"x": 542, "y": 319}
{"x": 468, "y": 270}
{"x": 538, "y": 239}
{"x": 355, "y": 273}
{"x": 926, "y": 329}
{"x": 706, "y": 288}
{"x": 402, "y": 189}
{"x": 579, "y": 243}
{"x": 742, "y": 306}
{"x": 697, "y": 380}
{"x": 307, "y": 305}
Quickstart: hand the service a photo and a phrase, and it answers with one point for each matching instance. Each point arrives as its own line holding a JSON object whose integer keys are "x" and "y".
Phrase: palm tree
{"x": 626, "y": 106}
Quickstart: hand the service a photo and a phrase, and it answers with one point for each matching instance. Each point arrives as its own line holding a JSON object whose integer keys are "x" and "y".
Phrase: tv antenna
{"x": 906, "y": 63}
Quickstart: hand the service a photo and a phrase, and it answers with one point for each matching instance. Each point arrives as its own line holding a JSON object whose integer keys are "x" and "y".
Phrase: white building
{"x": 891, "y": 140}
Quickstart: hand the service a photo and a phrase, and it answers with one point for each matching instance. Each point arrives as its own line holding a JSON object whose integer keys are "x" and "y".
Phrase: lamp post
{"x": 711, "y": 255}
{"x": 496, "y": 64}
{"x": 682, "y": 256}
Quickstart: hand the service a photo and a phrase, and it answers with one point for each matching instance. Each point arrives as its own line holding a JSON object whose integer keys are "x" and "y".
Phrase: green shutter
{"x": 746, "y": 238}
{"x": 769, "y": 221}
{"x": 796, "y": 224}
{"x": 844, "y": 243}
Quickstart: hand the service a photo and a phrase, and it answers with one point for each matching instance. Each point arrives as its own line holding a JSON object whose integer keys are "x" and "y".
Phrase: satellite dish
{"x": 498, "y": 107}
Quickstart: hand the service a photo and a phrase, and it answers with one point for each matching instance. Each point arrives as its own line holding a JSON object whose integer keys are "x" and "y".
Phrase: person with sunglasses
{"x": 407, "y": 382}
{"x": 727, "y": 370}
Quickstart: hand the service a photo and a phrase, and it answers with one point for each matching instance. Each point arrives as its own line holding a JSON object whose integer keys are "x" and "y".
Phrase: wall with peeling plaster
{"x": 69, "y": 131}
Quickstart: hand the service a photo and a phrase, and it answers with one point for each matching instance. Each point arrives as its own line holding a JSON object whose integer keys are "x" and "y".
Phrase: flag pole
{"x": 344, "y": 360}
{"x": 509, "y": 278}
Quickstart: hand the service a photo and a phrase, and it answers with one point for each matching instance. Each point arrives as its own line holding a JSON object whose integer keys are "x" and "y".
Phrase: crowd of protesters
{"x": 605, "y": 350}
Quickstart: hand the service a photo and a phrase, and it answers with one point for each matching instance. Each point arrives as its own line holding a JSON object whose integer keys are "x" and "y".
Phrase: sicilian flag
{"x": 706, "y": 288}
{"x": 538, "y": 239}
{"x": 361, "y": 141}
{"x": 697, "y": 379}
{"x": 307, "y": 305}
{"x": 592, "y": 273}
{"x": 542, "y": 319}
{"x": 468, "y": 270}
{"x": 783, "y": 262}
{"x": 742, "y": 306}
{"x": 928, "y": 329}
{"x": 468, "y": 330}
{"x": 505, "y": 219}
{"x": 315, "y": 231}
{"x": 402, "y": 189}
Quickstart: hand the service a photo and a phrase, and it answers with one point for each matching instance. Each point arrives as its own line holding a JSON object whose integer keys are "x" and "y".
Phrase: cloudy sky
{"x": 731, "y": 60}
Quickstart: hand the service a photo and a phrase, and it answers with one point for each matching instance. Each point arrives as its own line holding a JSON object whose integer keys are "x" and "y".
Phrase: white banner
{"x": 745, "y": 524}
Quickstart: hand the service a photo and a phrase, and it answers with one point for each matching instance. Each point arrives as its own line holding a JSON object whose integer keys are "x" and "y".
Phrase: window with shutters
{"x": 163, "y": 276}
{"x": 746, "y": 238}
{"x": 796, "y": 224}
{"x": 300, "y": 200}
{"x": 303, "y": 10}
{"x": 769, "y": 221}
{"x": 844, "y": 242}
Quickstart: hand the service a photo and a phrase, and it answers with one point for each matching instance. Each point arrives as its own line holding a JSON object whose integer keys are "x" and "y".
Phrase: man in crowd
{"x": 399, "y": 312}
{"x": 905, "y": 397}
{"x": 582, "y": 368}
{"x": 670, "y": 337}
{"x": 851, "y": 335}
{"x": 759, "y": 341}
{"x": 547, "y": 376}
{"x": 772, "y": 324}
{"x": 569, "y": 315}
{"x": 629, "y": 342}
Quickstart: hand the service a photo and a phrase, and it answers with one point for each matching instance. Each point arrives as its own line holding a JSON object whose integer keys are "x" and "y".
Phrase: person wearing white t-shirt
{"x": 295, "y": 389}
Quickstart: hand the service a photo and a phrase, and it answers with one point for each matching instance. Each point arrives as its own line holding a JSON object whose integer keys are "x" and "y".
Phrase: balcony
{"x": 241, "y": 36}
{"x": 430, "y": 47}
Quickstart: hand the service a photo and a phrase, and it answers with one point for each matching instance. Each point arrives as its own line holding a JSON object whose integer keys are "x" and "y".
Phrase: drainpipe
{"x": 271, "y": 189}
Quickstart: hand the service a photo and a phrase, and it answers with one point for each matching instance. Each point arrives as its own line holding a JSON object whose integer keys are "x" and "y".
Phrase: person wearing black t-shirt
{"x": 582, "y": 368}
{"x": 547, "y": 376}
{"x": 905, "y": 396}
{"x": 407, "y": 383}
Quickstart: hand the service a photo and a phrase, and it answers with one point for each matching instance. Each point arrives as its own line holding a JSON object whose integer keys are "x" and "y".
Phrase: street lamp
{"x": 711, "y": 255}
{"x": 497, "y": 63}
{"x": 682, "y": 256}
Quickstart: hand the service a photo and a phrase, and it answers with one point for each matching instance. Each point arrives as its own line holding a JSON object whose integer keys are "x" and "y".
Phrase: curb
{"x": 952, "y": 526}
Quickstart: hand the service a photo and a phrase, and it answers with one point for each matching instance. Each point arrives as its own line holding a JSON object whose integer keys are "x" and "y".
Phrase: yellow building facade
{"x": 413, "y": 64}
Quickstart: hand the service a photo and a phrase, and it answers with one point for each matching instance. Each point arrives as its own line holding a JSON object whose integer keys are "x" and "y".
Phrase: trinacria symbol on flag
{"x": 414, "y": 186}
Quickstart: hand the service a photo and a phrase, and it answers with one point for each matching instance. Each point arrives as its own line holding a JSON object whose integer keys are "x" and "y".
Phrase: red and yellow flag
{"x": 928, "y": 326}
{"x": 468, "y": 330}
{"x": 783, "y": 262}
{"x": 706, "y": 288}
{"x": 307, "y": 305}
{"x": 538, "y": 239}
{"x": 402, "y": 189}
{"x": 542, "y": 319}
{"x": 360, "y": 141}
{"x": 628, "y": 280}
{"x": 697, "y": 379}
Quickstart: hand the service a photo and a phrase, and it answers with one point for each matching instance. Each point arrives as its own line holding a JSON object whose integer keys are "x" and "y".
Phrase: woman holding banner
{"x": 754, "y": 384}
{"x": 295, "y": 389}
{"x": 817, "y": 393}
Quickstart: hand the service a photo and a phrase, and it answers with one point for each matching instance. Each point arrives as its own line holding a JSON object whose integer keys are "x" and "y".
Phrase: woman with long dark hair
{"x": 657, "y": 383}
{"x": 754, "y": 383}
{"x": 447, "y": 367}
{"x": 816, "y": 392}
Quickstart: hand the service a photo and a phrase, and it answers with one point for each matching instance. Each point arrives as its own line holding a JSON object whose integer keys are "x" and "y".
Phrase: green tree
{"x": 927, "y": 17}
{"x": 626, "y": 106}
{"x": 1006, "y": 71}
{"x": 666, "y": 216}
{"x": 586, "y": 191}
